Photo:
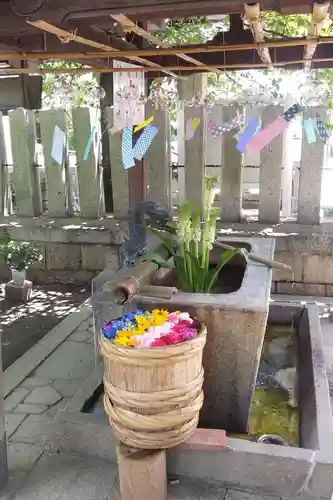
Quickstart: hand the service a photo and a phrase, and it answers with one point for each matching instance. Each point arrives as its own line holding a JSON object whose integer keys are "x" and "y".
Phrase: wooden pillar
{"x": 142, "y": 474}
{"x": 118, "y": 174}
{"x": 270, "y": 177}
{"x": 26, "y": 177}
{"x": 232, "y": 174}
{"x": 3, "y": 451}
{"x": 158, "y": 158}
{"x": 106, "y": 82}
{"x": 5, "y": 191}
{"x": 54, "y": 171}
{"x": 88, "y": 168}
{"x": 195, "y": 148}
{"x": 311, "y": 171}
{"x": 287, "y": 172}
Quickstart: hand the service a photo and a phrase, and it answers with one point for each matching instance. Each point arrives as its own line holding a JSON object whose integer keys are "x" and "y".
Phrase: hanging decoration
{"x": 58, "y": 145}
{"x": 143, "y": 124}
{"x": 191, "y": 126}
{"x": 310, "y": 130}
{"x": 273, "y": 130}
{"x": 128, "y": 152}
{"x": 219, "y": 130}
{"x": 322, "y": 130}
{"x": 249, "y": 132}
{"x": 163, "y": 95}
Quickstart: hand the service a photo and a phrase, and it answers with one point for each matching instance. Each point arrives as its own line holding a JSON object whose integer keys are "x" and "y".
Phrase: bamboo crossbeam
{"x": 127, "y": 54}
{"x": 73, "y": 36}
{"x": 132, "y": 26}
{"x": 135, "y": 69}
{"x": 253, "y": 17}
{"x": 319, "y": 14}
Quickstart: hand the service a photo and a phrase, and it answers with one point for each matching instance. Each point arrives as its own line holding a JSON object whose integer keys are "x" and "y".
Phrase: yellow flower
{"x": 142, "y": 322}
{"x": 160, "y": 316}
{"x": 123, "y": 341}
{"x": 123, "y": 333}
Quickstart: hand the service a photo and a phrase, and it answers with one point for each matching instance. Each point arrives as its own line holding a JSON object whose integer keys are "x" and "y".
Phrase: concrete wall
{"x": 308, "y": 249}
{"x": 74, "y": 250}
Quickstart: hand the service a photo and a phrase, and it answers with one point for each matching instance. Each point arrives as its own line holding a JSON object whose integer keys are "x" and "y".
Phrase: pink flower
{"x": 173, "y": 317}
{"x": 172, "y": 338}
{"x": 159, "y": 343}
{"x": 188, "y": 333}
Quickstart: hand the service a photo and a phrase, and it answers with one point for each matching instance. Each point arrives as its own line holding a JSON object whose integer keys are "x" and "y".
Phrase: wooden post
{"x": 88, "y": 169}
{"x": 287, "y": 172}
{"x": 106, "y": 82}
{"x": 158, "y": 158}
{"x": 270, "y": 172}
{"x": 312, "y": 160}
{"x": 3, "y": 450}
{"x": 26, "y": 177}
{"x": 119, "y": 175}
{"x": 195, "y": 148}
{"x": 214, "y": 145}
{"x": 55, "y": 172}
{"x": 142, "y": 474}
{"x": 232, "y": 174}
{"x": 5, "y": 191}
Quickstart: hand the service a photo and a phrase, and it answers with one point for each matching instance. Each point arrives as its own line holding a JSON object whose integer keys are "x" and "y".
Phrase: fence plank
{"x": 311, "y": 170}
{"x": 55, "y": 173}
{"x": 270, "y": 177}
{"x": 214, "y": 145}
{"x": 119, "y": 176}
{"x": 232, "y": 174}
{"x": 88, "y": 170}
{"x": 195, "y": 148}
{"x": 5, "y": 191}
{"x": 26, "y": 177}
{"x": 158, "y": 158}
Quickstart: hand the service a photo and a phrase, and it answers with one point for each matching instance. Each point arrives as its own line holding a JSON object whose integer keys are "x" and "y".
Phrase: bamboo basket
{"x": 153, "y": 396}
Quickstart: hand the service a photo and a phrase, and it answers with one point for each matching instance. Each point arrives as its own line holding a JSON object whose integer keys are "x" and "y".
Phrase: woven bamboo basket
{"x": 153, "y": 396}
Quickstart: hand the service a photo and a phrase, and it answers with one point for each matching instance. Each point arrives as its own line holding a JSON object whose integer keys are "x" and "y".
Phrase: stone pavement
{"x": 40, "y": 384}
{"x": 72, "y": 477}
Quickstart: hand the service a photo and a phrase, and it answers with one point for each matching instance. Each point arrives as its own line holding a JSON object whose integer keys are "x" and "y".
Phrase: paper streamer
{"x": 89, "y": 143}
{"x": 127, "y": 149}
{"x": 141, "y": 146}
{"x": 310, "y": 130}
{"x": 144, "y": 141}
{"x": 219, "y": 130}
{"x": 143, "y": 124}
{"x": 322, "y": 130}
{"x": 250, "y": 131}
{"x": 273, "y": 130}
{"x": 58, "y": 145}
{"x": 191, "y": 126}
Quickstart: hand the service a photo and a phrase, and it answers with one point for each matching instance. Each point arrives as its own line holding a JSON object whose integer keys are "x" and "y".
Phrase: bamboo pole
{"x": 136, "y": 69}
{"x": 203, "y": 49}
{"x": 72, "y": 36}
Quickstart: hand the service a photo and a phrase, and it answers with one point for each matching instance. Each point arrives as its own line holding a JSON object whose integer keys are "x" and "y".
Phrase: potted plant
{"x": 228, "y": 294}
{"x": 19, "y": 255}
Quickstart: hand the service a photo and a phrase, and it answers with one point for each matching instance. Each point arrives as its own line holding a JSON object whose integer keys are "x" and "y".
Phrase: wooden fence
{"x": 29, "y": 171}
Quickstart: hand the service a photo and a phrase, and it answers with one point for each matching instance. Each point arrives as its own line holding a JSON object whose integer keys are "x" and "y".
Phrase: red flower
{"x": 172, "y": 338}
{"x": 159, "y": 343}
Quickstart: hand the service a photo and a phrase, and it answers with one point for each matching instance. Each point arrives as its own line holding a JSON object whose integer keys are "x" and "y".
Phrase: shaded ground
{"x": 24, "y": 324}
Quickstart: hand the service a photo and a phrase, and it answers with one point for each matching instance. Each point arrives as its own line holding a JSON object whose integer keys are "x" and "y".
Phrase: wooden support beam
{"x": 252, "y": 16}
{"x": 69, "y": 36}
{"x": 319, "y": 14}
{"x": 133, "y": 27}
{"x": 126, "y": 54}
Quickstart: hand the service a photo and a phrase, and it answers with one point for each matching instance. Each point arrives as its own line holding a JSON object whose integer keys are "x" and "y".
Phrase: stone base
{"x": 18, "y": 293}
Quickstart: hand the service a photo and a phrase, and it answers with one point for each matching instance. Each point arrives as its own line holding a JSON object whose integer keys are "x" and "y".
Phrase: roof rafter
{"x": 319, "y": 14}
{"x": 129, "y": 25}
{"x": 69, "y": 36}
{"x": 252, "y": 16}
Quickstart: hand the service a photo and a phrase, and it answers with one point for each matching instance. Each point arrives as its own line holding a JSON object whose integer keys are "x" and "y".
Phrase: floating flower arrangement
{"x": 158, "y": 328}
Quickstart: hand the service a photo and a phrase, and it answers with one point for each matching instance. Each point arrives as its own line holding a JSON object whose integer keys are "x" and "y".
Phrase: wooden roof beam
{"x": 319, "y": 14}
{"x": 131, "y": 26}
{"x": 252, "y": 16}
{"x": 73, "y": 36}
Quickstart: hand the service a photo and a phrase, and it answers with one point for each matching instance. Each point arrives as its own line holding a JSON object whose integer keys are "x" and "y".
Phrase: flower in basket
{"x": 144, "y": 329}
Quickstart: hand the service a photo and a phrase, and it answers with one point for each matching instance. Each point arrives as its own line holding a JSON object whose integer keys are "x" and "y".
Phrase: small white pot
{"x": 18, "y": 277}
